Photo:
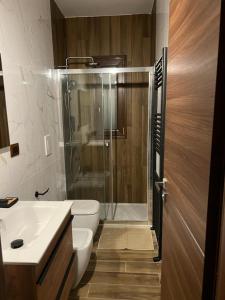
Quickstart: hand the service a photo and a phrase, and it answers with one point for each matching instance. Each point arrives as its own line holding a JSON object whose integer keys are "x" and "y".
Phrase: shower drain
{"x": 17, "y": 244}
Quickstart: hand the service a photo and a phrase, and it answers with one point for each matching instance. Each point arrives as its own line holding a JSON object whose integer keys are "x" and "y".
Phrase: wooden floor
{"x": 120, "y": 275}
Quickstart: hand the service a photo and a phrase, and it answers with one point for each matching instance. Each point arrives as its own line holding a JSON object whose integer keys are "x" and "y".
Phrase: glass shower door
{"x": 106, "y": 118}
{"x": 87, "y": 149}
{"x": 109, "y": 118}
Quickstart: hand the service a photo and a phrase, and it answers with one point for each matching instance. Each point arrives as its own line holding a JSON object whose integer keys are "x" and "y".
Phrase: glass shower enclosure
{"x": 97, "y": 127}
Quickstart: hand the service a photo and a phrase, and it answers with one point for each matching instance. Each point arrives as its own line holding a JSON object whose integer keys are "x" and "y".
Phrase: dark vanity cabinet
{"x": 52, "y": 278}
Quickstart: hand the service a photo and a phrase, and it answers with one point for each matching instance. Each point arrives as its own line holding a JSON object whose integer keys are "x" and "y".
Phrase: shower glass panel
{"x": 106, "y": 116}
{"x": 87, "y": 150}
{"x": 108, "y": 92}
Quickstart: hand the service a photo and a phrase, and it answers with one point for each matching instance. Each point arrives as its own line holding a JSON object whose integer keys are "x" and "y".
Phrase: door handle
{"x": 162, "y": 185}
{"x": 164, "y": 196}
{"x": 159, "y": 185}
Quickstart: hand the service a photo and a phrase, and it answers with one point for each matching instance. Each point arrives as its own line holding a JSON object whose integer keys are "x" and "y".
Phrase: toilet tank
{"x": 86, "y": 214}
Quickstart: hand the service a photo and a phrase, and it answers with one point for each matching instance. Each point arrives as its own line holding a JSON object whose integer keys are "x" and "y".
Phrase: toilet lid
{"x": 85, "y": 207}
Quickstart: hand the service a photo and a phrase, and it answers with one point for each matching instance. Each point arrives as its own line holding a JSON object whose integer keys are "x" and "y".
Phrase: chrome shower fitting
{"x": 91, "y": 62}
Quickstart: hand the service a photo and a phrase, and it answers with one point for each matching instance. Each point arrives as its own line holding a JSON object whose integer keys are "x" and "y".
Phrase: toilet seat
{"x": 86, "y": 214}
{"x": 85, "y": 207}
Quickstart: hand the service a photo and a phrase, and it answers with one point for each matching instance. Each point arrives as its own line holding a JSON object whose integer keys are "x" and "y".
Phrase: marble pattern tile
{"x": 32, "y": 101}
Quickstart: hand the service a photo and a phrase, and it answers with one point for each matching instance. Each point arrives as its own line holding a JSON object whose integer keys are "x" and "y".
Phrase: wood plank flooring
{"x": 120, "y": 275}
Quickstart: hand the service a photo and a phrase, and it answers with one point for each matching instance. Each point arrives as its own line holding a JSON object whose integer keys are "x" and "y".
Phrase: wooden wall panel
{"x": 58, "y": 35}
{"x": 130, "y": 36}
{"x": 124, "y": 35}
{"x": 192, "y": 67}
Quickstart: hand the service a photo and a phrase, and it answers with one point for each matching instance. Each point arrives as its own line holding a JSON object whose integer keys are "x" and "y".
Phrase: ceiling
{"x": 92, "y": 8}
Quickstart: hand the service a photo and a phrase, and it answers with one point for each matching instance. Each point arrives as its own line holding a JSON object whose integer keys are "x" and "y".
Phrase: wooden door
{"x": 192, "y": 67}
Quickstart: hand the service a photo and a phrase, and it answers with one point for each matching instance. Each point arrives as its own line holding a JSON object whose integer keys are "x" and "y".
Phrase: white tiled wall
{"x": 31, "y": 99}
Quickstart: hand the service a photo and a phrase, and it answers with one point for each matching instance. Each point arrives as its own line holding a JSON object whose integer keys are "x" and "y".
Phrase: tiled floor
{"x": 126, "y": 211}
{"x": 120, "y": 275}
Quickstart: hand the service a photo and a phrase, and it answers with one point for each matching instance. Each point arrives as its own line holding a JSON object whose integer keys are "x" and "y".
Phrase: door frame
{"x": 217, "y": 173}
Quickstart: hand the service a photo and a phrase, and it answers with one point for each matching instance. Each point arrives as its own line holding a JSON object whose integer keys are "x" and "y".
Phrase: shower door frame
{"x": 150, "y": 71}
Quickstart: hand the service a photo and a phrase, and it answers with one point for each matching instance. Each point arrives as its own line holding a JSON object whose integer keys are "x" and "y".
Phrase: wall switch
{"x": 48, "y": 146}
{"x": 14, "y": 149}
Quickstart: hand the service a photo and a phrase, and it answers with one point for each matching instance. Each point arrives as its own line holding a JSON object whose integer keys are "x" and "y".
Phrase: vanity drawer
{"x": 51, "y": 277}
{"x": 68, "y": 281}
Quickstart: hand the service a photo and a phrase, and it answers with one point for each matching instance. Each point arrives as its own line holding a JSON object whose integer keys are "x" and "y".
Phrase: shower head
{"x": 92, "y": 64}
{"x": 71, "y": 85}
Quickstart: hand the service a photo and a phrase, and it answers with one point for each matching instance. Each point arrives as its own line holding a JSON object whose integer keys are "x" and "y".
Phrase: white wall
{"x": 31, "y": 99}
{"x": 162, "y": 26}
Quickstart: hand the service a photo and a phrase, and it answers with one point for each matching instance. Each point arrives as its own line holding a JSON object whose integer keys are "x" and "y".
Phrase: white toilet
{"x": 84, "y": 226}
{"x": 86, "y": 214}
{"x": 82, "y": 246}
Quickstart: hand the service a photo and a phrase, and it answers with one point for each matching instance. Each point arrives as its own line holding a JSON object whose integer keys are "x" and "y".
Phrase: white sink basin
{"x": 36, "y": 222}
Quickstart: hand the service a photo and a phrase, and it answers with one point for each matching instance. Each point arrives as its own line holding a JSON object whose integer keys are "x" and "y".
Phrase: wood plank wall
{"x": 125, "y": 35}
{"x": 131, "y": 36}
{"x": 58, "y": 35}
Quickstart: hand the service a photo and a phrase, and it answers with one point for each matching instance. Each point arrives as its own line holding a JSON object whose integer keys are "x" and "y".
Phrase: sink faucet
{"x": 37, "y": 194}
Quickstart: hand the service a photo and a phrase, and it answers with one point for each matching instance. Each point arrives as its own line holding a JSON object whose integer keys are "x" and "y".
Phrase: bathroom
{"x": 110, "y": 147}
